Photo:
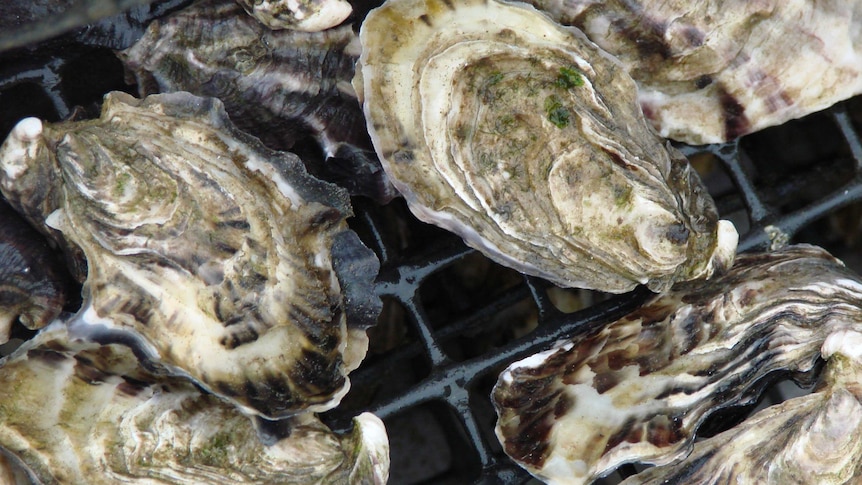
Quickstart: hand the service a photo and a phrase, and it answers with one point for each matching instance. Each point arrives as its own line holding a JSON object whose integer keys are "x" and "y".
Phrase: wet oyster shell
{"x": 526, "y": 140}
{"x": 712, "y": 71}
{"x": 206, "y": 252}
{"x": 280, "y": 86}
{"x": 33, "y": 284}
{"x": 304, "y": 15}
{"x": 74, "y": 412}
{"x": 810, "y": 439}
{"x": 637, "y": 390}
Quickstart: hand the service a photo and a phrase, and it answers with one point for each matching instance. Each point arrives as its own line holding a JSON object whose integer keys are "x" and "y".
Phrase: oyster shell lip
{"x": 416, "y": 137}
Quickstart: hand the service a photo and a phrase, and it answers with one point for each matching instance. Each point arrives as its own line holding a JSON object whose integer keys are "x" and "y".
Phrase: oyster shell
{"x": 526, "y": 140}
{"x": 33, "y": 285}
{"x": 102, "y": 419}
{"x": 208, "y": 253}
{"x": 637, "y": 390}
{"x": 305, "y": 15}
{"x": 815, "y": 438}
{"x": 280, "y": 86}
{"x": 709, "y": 72}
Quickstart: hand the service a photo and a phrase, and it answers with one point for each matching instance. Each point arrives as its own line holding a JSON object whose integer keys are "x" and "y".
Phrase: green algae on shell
{"x": 526, "y": 139}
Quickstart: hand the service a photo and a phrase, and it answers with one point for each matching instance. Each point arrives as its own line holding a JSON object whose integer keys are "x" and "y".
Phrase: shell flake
{"x": 709, "y": 72}
{"x": 103, "y": 420}
{"x": 526, "y": 140}
{"x": 209, "y": 253}
{"x": 637, "y": 390}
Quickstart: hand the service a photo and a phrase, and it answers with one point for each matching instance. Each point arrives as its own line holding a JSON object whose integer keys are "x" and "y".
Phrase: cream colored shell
{"x": 527, "y": 140}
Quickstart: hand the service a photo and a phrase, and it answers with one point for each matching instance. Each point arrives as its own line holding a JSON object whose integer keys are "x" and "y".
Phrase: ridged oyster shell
{"x": 304, "y": 15}
{"x": 712, "y": 71}
{"x": 280, "y": 86}
{"x": 33, "y": 285}
{"x": 208, "y": 253}
{"x": 637, "y": 390}
{"x": 75, "y": 412}
{"x": 815, "y": 438}
{"x": 526, "y": 140}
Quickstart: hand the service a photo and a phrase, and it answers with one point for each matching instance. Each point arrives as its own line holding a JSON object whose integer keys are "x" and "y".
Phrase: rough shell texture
{"x": 207, "y": 252}
{"x": 33, "y": 284}
{"x": 526, "y": 140}
{"x": 712, "y": 71}
{"x": 305, "y": 15}
{"x": 280, "y": 86}
{"x": 815, "y": 438}
{"x": 74, "y": 412}
{"x": 637, "y": 390}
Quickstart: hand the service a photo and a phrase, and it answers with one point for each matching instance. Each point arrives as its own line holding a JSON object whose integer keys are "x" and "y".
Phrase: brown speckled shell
{"x": 638, "y": 390}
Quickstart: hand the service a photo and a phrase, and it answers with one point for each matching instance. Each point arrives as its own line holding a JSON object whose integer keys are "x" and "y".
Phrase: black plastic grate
{"x": 452, "y": 319}
{"x": 460, "y": 384}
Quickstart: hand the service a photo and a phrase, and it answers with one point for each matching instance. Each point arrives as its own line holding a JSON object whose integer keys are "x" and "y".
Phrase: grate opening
{"x": 453, "y": 319}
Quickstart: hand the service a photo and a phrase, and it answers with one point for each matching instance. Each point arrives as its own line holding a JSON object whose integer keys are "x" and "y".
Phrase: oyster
{"x": 810, "y": 439}
{"x": 305, "y": 15}
{"x": 709, "y": 72}
{"x": 102, "y": 419}
{"x": 280, "y": 86}
{"x": 637, "y": 390}
{"x": 33, "y": 285}
{"x": 526, "y": 140}
{"x": 206, "y": 252}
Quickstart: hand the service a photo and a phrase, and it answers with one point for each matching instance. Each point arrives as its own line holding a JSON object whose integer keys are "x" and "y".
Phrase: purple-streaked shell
{"x": 280, "y": 86}
{"x": 77, "y": 413}
{"x": 210, "y": 254}
{"x": 709, "y": 72}
{"x": 526, "y": 139}
{"x": 304, "y": 15}
{"x": 811, "y": 439}
{"x": 33, "y": 283}
{"x": 637, "y": 390}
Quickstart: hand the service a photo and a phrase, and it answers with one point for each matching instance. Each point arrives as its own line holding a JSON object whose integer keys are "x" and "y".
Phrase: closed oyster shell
{"x": 304, "y": 15}
{"x": 712, "y": 71}
{"x": 526, "y": 140}
{"x": 280, "y": 86}
{"x": 637, "y": 390}
{"x": 75, "y": 412}
{"x": 208, "y": 253}
{"x": 815, "y": 438}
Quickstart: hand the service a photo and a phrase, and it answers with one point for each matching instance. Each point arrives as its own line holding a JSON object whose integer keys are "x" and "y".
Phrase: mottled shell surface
{"x": 815, "y": 438}
{"x": 33, "y": 283}
{"x": 637, "y": 390}
{"x": 526, "y": 140}
{"x": 304, "y": 15}
{"x": 712, "y": 71}
{"x": 75, "y": 412}
{"x": 210, "y": 254}
{"x": 280, "y": 86}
